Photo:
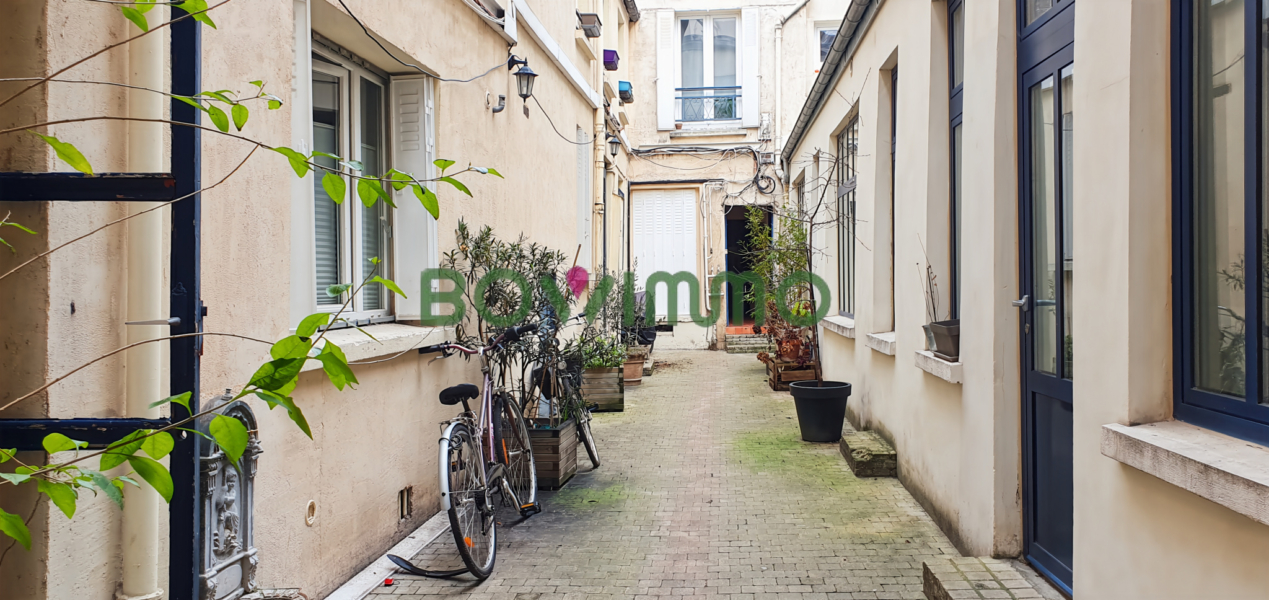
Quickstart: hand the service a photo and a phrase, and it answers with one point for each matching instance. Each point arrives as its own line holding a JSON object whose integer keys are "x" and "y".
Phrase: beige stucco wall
{"x": 1135, "y": 536}
{"x": 369, "y": 442}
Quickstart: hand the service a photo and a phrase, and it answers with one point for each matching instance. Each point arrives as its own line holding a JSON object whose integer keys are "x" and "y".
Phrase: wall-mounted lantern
{"x": 614, "y": 144}
{"x": 524, "y": 76}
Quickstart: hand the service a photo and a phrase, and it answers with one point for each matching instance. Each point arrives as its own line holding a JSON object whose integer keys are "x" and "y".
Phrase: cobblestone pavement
{"x": 706, "y": 490}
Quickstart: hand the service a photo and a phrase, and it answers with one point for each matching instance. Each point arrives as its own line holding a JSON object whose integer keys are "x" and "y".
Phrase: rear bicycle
{"x": 570, "y": 391}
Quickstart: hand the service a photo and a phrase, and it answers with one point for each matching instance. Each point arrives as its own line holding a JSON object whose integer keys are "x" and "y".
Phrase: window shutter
{"x": 666, "y": 39}
{"x": 414, "y": 230}
{"x": 750, "y": 100}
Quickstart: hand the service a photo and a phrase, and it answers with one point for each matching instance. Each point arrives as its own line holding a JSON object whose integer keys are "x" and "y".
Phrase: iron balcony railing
{"x": 707, "y": 103}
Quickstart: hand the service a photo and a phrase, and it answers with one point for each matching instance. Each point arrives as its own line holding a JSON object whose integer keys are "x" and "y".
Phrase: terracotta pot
{"x": 632, "y": 371}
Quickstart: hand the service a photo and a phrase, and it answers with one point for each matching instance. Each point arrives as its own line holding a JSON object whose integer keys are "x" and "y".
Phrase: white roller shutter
{"x": 750, "y": 100}
{"x": 664, "y": 238}
{"x": 414, "y": 230}
{"x": 666, "y": 80}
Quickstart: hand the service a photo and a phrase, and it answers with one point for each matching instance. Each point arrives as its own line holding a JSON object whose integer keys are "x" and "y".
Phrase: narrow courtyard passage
{"x": 706, "y": 490}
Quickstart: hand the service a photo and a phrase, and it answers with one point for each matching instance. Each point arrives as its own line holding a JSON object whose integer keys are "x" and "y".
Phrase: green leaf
{"x": 69, "y": 153}
{"x": 429, "y": 200}
{"x": 181, "y": 399}
{"x": 144, "y": 5}
{"x": 400, "y": 180}
{"x": 121, "y": 450}
{"x": 240, "y": 114}
{"x": 443, "y": 164}
{"x": 219, "y": 118}
{"x": 136, "y": 17}
{"x": 355, "y": 164}
{"x": 457, "y": 185}
{"x": 15, "y": 478}
{"x": 126, "y": 479}
{"x": 388, "y": 283}
{"x": 62, "y": 495}
{"x": 311, "y": 323}
{"x": 370, "y": 191}
{"x": 335, "y": 291}
{"x": 6, "y": 454}
{"x": 274, "y": 101}
{"x": 56, "y": 442}
{"x": 231, "y": 435}
{"x": 299, "y": 162}
{"x": 277, "y": 373}
{"x": 191, "y": 101}
{"x": 292, "y": 410}
{"x": 218, "y": 95}
{"x": 292, "y": 346}
{"x": 19, "y": 226}
{"x": 96, "y": 480}
{"x": 158, "y": 445}
{"x": 156, "y": 475}
{"x": 13, "y": 526}
{"x": 336, "y": 366}
{"x": 366, "y": 332}
{"x": 258, "y": 83}
{"x": 493, "y": 171}
{"x": 197, "y": 6}
{"x": 316, "y": 153}
{"x": 335, "y": 187}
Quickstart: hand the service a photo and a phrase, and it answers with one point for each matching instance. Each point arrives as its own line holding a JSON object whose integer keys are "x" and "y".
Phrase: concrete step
{"x": 747, "y": 344}
{"x": 968, "y": 578}
{"x": 867, "y": 454}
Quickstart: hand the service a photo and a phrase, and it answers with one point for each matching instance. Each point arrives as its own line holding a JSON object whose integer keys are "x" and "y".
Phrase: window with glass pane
{"x": 956, "y": 80}
{"x": 708, "y": 69}
{"x": 827, "y": 36}
{"x": 1043, "y": 227}
{"x": 349, "y": 121}
{"x": 1221, "y": 215}
{"x": 1034, "y": 9}
{"x": 957, "y": 49}
{"x": 847, "y": 156}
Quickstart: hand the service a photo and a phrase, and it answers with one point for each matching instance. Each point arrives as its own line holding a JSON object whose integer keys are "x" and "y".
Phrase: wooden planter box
{"x": 605, "y": 388}
{"x": 554, "y": 453}
{"x": 780, "y": 372}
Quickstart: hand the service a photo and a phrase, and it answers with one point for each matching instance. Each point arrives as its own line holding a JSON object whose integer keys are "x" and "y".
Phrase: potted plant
{"x": 604, "y": 359}
{"x": 943, "y": 338}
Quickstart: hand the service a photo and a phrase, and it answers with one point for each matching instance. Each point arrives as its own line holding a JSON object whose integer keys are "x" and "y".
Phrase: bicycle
{"x": 477, "y": 458}
{"x": 559, "y": 378}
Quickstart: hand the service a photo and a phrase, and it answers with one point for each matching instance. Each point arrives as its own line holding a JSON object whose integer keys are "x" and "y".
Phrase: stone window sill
{"x": 843, "y": 326}
{"x": 393, "y": 338}
{"x": 1228, "y": 471}
{"x": 882, "y": 342}
{"x": 715, "y": 131}
{"x": 951, "y": 372}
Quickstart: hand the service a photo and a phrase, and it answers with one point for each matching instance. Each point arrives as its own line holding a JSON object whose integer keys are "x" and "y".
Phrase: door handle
{"x": 1024, "y": 303}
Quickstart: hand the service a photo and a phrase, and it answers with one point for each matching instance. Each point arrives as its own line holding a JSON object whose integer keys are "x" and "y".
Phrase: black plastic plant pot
{"x": 821, "y": 407}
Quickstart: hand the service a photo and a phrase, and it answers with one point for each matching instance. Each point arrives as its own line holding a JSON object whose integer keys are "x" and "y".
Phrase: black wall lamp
{"x": 524, "y": 76}
{"x": 614, "y": 144}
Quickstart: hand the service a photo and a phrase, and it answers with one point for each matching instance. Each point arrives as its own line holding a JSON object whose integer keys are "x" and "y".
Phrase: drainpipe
{"x": 605, "y": 219}
{"x": 145, "y": 274}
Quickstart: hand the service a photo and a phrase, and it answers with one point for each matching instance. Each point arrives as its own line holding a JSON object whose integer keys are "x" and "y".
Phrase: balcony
{"x": 703, "y": 104}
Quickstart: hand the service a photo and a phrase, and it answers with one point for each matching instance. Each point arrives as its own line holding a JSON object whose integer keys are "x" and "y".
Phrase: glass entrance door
{"x": 1047, "y": 133}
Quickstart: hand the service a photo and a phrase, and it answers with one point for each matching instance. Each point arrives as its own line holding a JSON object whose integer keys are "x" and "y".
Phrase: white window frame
{"x": 351, "y": 73}
{"x": 708, "y": 65}
{"x": 821, "y": 26}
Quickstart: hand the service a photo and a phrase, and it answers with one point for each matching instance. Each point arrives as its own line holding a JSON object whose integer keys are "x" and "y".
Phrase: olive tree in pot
{"x": 783, "y": 262}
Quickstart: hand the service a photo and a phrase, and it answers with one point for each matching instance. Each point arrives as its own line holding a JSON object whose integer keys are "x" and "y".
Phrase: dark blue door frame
{"x": 1045, "y": 47}
{"x": 185, "y": 533}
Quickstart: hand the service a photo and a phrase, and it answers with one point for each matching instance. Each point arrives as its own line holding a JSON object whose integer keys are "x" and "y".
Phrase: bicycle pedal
{"x": 529, "y": 510}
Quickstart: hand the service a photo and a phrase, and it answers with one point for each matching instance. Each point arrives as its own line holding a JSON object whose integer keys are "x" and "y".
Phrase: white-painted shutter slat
{"x": 414, "y": 229}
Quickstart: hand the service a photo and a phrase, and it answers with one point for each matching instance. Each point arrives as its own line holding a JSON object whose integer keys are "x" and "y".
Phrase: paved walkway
{"x": 706, "y": 490}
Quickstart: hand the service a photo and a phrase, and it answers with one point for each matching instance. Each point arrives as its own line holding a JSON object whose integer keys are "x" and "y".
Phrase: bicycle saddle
{"x": 455, "y": 394}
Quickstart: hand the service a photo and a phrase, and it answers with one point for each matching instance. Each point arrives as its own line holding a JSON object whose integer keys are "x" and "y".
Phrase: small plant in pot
{"x": 943, "y": 338}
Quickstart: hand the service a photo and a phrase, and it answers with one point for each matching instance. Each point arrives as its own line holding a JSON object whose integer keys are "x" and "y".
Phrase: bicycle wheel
{"x": 516, "y": 453}
{"x": 583, "y": 421}
{"x": 471, "y": 516}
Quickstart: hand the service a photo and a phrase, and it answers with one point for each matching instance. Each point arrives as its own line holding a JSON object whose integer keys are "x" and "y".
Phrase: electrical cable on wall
{"x": 557, "y": 131}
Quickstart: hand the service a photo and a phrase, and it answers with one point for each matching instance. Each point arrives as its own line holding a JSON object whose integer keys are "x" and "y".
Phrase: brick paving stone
{"x": 706, "y": 491}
